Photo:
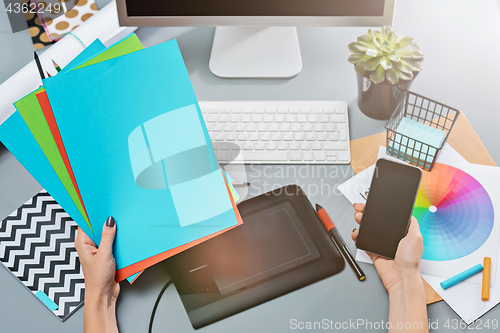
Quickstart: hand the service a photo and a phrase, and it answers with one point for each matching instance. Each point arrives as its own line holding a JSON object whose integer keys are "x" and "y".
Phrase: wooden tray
{"x": 463, "y": 138}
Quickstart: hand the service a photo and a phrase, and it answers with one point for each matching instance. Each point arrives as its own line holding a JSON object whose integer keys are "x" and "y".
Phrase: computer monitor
{"x": 255, "y": 38}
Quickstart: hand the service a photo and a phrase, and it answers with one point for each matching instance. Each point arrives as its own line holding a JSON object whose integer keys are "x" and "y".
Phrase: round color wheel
{"x": 454, "y": 212}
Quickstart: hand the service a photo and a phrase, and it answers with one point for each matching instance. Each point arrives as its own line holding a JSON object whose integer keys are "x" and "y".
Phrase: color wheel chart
{"x": 454, "y": 212}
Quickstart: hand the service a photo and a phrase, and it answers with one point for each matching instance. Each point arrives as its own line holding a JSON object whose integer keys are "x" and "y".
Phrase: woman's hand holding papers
{"x": 101, "y": 289}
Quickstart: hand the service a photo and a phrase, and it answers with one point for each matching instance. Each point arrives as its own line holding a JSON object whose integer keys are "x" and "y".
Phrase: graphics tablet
{"x": 281, "y": 246}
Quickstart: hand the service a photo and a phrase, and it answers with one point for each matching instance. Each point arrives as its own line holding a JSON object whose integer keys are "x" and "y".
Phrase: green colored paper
{"x": 32, "y": 114}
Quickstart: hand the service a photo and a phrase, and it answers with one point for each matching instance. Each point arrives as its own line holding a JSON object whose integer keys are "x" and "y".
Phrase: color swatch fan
{"x": 455, "y": 213}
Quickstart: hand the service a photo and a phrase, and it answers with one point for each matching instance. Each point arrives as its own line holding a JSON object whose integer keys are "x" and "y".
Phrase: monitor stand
{"x": 255, "y": 52}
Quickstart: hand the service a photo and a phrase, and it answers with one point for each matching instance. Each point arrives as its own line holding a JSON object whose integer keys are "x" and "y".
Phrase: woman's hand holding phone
{"x": 407, "y": 261}
{"x": 401, "y": 278}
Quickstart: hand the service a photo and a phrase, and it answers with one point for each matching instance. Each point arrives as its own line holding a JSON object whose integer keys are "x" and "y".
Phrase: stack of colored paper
{"x": 118, "y": 132}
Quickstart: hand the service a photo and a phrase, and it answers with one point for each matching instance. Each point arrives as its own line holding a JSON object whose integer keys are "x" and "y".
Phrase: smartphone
{"x": 388, "y": 208}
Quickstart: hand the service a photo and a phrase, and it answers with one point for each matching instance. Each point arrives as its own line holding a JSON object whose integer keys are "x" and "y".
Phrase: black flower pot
{"x": 378, "y": 101}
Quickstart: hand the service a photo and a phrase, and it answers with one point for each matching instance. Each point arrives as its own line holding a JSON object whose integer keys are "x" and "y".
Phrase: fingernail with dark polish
{"x": 110, "y": 222}
{"x": 353, "y": 230}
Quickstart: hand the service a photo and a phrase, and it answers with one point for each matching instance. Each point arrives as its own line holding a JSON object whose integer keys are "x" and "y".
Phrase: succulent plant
{"x": 382, "y": 55}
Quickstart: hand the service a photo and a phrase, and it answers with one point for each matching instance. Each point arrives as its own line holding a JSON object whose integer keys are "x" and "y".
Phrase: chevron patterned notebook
{"x": 37, "y": 244}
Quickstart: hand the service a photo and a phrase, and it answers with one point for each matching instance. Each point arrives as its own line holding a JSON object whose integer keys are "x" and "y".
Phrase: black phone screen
{"x": 389, "y": 206}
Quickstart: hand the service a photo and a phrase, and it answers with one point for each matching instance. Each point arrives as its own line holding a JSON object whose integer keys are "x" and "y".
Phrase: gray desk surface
{"x": 460, "y": 42}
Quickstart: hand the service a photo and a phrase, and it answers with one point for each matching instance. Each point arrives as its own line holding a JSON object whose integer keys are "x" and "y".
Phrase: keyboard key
{"x": 307, "y": 128}
{"x": 305, "y": 146}
{"x": 282, "y": 145}
{"x": 330, "y": 127}
{"x": 253, "y": 137}
{"x": 296, "y": 127}
{"x": 251, "y": 128}
{"x": 264, "y": 156}
{"x": 318, "y": 111}
{"x": 216, "y": 128}
{"x": 257, "y": 118}
{"x": 323, "y": 118}
{"x": 312, "y": 118}
{"x": 321, "y": 136}
{"x": 239, "y": 128}
{"x": 294, "y": 146}
{"x": 216, "y": 145}
{"x": 340, "y": 111}
{"x": 265, "y": 137}
{"x": 268, "y": 118}
{"x": 290, "y": 118}
{"x": 316, "y": 146}
{"x": 231, "y": 137}
{"x": 222, "y": 155}
{"x": 305, "y": 111}
{"x": 262, "y": 128}
{"x": 310, "y": 137}
{"x": 333, "y": 136}
{"x": 223, "y": 118}
{"x": 245, "y": 118}
{"x": 248, "y": 145}
{"x": 298, "y": 137}
{"x": 319, "y": 127}
{"x": 331, "y": 156}
{"x": 338, "y": 118}
{"x": 285, "y": 128}
{"x": 287, "y": 137}
{"x": 271, "y": 146}
{"x": 276, "y": 137}
{"x": 294, "y": 111}
{"x": 301, "y": 118}
{"x": 242, "y": 136}
{"x": 247, "y": 111}
{"x": 319, "y": 156}
{"x": 211, "y": 118}
{"x": 259, "y": 146}
{"x": 224, "y": 111}
{"x": 213, "y": 111}
{"x": 234, "y": 118}
{"x": 236, "y": 111}
{"x": 279, "y": 118}
{"x": 219, "y": 137}
{"x": 274, "y": 127}
{"x": 343, "y": 157}
{"x": 328, "y": 111}
{"x": 271, "y": 111}
{"x": 228, "y": 127}
{"x": 282, "y": 111}
{"x": 308, "y": 156}
{"x": 225, "y": 146}
{"x": 335, "y": 145}
{"x": 295, "y": 156}
{"x": 260, "y": 111}
{"x": 343, "y": 135}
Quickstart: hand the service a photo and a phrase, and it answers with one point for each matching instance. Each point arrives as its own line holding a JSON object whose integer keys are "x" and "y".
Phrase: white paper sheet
{"x": 103, "y": 25}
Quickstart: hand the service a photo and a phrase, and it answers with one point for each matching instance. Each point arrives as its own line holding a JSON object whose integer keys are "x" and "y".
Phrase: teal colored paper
{"x": 17, "y": 137}
{"x": 113, "y": 99}
{"x": 90, "y": 51}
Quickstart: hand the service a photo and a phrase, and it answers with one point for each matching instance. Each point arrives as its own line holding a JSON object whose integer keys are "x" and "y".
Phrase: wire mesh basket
{"x": 425, "y": 111}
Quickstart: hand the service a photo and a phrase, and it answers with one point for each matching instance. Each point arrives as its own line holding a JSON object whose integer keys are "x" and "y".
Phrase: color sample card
{"x": 109, "y": 154}
{"x": 37, "y": 247}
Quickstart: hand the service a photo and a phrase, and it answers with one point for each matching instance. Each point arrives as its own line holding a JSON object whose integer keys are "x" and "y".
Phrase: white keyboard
{"x": 279, "y": 132}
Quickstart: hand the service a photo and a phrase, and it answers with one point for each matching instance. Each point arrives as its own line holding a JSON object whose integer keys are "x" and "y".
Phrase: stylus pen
{"x": 339, "y": 242}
